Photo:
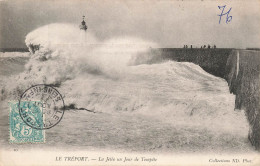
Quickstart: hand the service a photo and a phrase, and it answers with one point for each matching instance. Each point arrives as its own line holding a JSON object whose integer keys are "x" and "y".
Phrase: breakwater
{"x": 242, "y": 75}
{"x": 240, "y": 68}
{"x": 211, "y": 60}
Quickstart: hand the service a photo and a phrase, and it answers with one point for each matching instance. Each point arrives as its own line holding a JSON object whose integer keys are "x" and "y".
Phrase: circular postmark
{"x": 41, "y": 107}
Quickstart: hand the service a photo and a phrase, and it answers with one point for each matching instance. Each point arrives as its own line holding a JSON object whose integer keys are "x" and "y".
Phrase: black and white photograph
{"x": 129, "y": 82}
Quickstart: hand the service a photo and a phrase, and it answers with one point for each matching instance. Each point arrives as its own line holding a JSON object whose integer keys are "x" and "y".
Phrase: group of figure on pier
{"x": 202, "y": 47}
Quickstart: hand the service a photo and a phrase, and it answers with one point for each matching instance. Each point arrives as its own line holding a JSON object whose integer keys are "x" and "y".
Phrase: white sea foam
{"x": 112, "y": 76}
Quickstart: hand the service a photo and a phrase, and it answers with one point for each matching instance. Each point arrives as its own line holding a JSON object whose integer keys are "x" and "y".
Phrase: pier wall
{"x": 243, "y": 77}
{"x": 211, "y": 60}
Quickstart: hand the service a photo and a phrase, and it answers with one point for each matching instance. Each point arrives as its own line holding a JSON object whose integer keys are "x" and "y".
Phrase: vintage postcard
{"x": 129, "y": 82}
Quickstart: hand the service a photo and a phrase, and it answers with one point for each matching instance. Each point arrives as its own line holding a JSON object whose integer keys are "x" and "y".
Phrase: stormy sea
{"x": 121, "y": 96}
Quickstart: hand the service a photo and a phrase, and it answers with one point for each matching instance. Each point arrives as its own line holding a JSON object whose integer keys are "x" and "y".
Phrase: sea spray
{"x": 113, "y": 76}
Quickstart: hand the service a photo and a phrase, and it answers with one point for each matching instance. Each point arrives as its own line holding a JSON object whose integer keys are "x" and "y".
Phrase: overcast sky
{"x": 166, "y": 22}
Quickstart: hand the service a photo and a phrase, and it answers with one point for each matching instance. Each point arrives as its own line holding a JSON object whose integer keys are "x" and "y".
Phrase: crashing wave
{"x": 116, "y": 76}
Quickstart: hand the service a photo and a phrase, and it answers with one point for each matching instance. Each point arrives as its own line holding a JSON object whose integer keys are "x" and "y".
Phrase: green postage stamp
{"x": 20, "y": 132}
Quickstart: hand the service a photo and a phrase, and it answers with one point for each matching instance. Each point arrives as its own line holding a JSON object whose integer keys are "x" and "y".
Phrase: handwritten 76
{"x": 228, "y": 18}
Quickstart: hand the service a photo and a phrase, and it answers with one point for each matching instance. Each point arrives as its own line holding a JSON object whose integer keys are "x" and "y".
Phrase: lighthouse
{"x": 83, "y": 29}
{"x": 83, "y": 25}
